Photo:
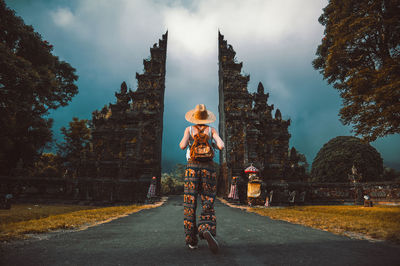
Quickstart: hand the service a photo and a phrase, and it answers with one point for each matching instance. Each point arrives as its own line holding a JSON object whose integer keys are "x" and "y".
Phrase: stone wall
{"x": 106, "y": 191}
{"x": 74, "y": 190}
{"x": 246, "y": 124}
{"x": 333, "y": 193}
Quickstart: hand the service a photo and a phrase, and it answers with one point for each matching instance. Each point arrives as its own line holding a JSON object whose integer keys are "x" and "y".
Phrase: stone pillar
{"x": 246, "y": 125}
{"x": 127, "y": 135}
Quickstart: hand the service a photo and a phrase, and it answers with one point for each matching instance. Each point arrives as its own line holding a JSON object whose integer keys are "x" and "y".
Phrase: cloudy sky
{"x": 106, "y": 41}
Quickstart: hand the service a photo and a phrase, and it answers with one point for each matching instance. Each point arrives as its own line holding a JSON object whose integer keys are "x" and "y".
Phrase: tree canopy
{"x": 360, "y": 56}
{"x": 76, "y": 140}
{"x": 298, "y": 166}
{"x": 48, "y": 165}
{"x": 336, "y": 158}
{"x": 32, "y": 82}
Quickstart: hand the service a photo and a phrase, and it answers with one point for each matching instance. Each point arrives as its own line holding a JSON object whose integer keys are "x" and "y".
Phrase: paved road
{"x": 155, "y": 237}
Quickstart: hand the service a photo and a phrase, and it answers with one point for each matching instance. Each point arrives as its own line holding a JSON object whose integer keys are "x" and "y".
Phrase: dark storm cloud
{"x": 106, "y": 41}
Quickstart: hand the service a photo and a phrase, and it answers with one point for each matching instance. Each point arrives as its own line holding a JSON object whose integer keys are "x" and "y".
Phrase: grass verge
{"x": 25, "y": 219}
{"x": 373, "y": 223}
{"x": 378, "y": 222}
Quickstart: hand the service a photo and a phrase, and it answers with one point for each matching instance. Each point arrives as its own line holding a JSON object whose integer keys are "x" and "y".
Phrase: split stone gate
{"x": 125, "y": 151}
{"x": 127, "y": 135}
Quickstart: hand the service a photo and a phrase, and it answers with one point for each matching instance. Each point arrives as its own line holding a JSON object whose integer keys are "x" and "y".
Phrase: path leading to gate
{"x": 155, "y": 237}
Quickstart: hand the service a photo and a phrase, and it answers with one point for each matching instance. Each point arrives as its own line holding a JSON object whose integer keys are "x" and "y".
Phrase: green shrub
{"x": 334, "y": 161}
{"x": 171, "y": 185}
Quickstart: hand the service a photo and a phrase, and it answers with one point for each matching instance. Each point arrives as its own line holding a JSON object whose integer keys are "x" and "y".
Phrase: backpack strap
{"x": 200, "y": 130}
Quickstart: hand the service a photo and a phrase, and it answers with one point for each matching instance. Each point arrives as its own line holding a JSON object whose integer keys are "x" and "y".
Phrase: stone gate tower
{"x": 250, "y": 132}
{"x": 127, "y": 135}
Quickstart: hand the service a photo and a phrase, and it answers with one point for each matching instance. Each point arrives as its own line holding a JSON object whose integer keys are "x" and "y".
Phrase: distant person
{"x": 151, "y": 193}
{"x": 200, "y": 177}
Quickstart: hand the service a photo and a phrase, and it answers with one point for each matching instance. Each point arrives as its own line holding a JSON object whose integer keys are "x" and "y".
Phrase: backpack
{"x": 201, "y": 149}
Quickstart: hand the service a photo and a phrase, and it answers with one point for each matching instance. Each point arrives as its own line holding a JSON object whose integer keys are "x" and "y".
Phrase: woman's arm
{"x": 185, "y": 139}
{"x": 218, "y": 140}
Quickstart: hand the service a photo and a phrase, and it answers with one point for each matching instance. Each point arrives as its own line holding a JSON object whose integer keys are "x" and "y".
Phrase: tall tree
{"x": 76, "y": 140}
{"x": 360, "y": 56}
{"x": 32, "y": 82}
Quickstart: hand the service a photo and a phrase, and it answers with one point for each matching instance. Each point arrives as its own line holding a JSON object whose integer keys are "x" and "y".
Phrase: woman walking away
{"x": 200, "y": 177}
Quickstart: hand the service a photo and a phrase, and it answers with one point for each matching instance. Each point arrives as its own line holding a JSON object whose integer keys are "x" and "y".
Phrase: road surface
{"x": 156, "y": 237}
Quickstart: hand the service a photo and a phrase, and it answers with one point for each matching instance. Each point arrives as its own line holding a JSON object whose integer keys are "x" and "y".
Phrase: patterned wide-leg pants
{"x": 200, "y": 179}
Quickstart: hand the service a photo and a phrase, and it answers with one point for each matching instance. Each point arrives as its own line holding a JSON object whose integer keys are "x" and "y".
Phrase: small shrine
{"x": 254, "y": 186}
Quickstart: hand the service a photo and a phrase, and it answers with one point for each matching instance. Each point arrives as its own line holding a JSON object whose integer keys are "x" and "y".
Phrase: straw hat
{"x": 200, "y": 115}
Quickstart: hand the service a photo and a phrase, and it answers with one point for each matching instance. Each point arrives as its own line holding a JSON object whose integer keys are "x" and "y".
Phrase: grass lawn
{"x": 378, "y": 222}
{"x": 23, "y": 219}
